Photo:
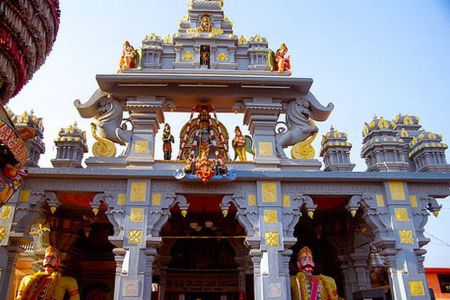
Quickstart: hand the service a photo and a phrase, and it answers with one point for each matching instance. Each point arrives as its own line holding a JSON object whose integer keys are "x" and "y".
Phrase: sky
{"x": 367, "y": 57}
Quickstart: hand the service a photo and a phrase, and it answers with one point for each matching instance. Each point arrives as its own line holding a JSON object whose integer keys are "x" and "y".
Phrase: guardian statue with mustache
{"x": 306, "y": 286}
{"x": 49, "y": 284}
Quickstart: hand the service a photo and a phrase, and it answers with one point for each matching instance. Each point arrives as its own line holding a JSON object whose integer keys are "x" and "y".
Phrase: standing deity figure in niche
{"x": 305, "y": 285}
{"x": 203, "y": 144}
{"x": 48, "y": 285}
{"x": 279, "y": 61}
{"x": 129, "y": 57}
{"x": 167, "y": 139}
{"x": 241, "y": 145}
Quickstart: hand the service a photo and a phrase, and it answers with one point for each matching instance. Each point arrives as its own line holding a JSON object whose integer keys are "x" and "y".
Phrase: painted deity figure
{"x": 129, "y": 56}
{"x": 167, "y": 139}
{"x": 205, "y": 23}
{"x": 239, "y": 144}
{"x": 48, "y": 285}
{"x": 282, "y": 60}
{"x": 306, "y": 286}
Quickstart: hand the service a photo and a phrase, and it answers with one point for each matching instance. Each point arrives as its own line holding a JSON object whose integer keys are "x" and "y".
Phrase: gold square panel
{"x": 24, "y": 196}
{"x": 269, "y": 192}
{"x": 416, "y": 288}
{"x": 136, "y": 214}
{"x": 270, "y": 216}
{"x": 138, "y": 191}
{"x": 413, "y": 201}
{"x": 6, "y": 211}
{"x": 141, "y": 147}
{"x": 406, "y": 237}
{"x": 286, "y": 200}
{"x": 135, "y": 237}
{"x": 272, "y": 239}
{"x": 401, "y": 214}
{"x": 397, "y": 190}
{"x": 265, "y": 148}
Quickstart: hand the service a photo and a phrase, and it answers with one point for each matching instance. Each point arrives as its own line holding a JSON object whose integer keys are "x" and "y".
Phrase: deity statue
{"x": 205, "y": 23}
{"x": 306, "y": 286}
{"x": 241, "y": 145}
{"x": 48, "y": 285}
{"x": 167, "y": 139}
{"x": 279, "y": 61}
{"x": 203, "y": 144}
{"x": 129, "y": 57}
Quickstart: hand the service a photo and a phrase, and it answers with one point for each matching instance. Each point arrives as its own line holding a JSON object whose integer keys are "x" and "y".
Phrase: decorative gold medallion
{"x": 136, "y": 214}
{"x": 102, "y": 147}
{"x": 416, "y": 288}
{"x": 272, "y": 239}
{"x": 6, "y": 211}
{"x": 222, "y": 56}
{"x": 188, "y": 56}
{"x": 2, "y": 233}
{"x": 406, "y": 237}
{"x": 135, "y": 237}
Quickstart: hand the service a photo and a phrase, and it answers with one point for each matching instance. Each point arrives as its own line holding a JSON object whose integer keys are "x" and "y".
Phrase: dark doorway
{"x": 205, "y": 56}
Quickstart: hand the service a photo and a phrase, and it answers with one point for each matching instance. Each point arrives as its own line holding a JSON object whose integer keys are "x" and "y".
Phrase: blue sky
{"x": 367, "y": 57}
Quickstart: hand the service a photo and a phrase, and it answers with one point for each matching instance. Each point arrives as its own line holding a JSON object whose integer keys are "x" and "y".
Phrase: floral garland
{"x": 51, "y": 289}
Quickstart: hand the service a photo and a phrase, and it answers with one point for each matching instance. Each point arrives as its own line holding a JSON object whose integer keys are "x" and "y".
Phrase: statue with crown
{"x": 204, "y": 147}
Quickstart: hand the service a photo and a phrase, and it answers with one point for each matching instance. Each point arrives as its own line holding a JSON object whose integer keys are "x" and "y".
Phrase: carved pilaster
{"x": 261, "y": 115}
{"x": 146, "y": 114}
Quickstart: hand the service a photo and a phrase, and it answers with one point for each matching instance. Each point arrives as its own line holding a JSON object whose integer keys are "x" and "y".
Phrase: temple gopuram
{"x": 224, "y": 215}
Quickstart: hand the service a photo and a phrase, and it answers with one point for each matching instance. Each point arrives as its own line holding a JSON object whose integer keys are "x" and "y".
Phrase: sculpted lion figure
{"x": 298, "y": 127}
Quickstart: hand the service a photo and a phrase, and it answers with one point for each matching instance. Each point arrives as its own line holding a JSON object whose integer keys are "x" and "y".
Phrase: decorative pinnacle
{"x": 184, "y": 213}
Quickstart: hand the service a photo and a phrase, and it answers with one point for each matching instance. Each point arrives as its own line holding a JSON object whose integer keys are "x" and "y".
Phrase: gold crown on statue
{"x": 54, "y": 250}
{"x": 304, "y": 250}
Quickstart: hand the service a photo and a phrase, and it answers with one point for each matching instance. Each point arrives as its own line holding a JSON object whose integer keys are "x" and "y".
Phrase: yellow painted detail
{"x": 286, "y": 201}
{"x": 222, "y": 56}
{"x": 380, "y": 200}
{"x": 397, "y": 190}
{"x": 138, "y": 191}
{"x": 265, "y": 148}
{"x": 408, "y": 120}
{"x": 188, "y": 56}
{"x": 406, "y": 237}
{"x": 136, "y": 214}
{"x": 269, "y": 192}
{"x": 2, "y": 233}
{"x": 251, "y": 200}
{"x": 24, "y": 196}
{"x": 156, "y": 199}
{"x": 413, "y": 200}
{"x": 141, "y": 147}
{"x": 401, "y": 214}
{"x": 270, "y": 216}
{"x": 6, "y": 211}
{"x": 121, "y": 199}
{"x": 272, "y": 239}
{"x": 416, "y": 288}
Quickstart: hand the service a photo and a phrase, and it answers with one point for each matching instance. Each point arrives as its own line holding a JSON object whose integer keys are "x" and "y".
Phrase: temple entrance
{"x": 205, "y": 56}
{"x": 203, "y": 254}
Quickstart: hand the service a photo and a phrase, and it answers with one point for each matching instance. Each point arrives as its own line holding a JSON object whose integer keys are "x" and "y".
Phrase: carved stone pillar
{"x": 261, "y": 115}
{"x": 256, "y": 256}
{"x": 146, "y": 114}
{"x": 6, "y": 286}
{"x": 119, "y": 256}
